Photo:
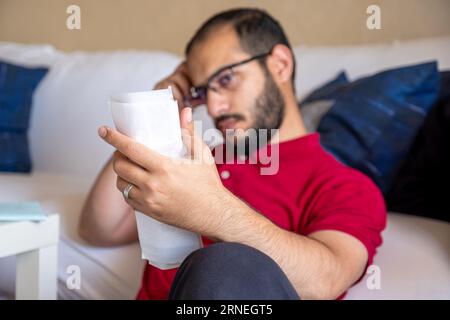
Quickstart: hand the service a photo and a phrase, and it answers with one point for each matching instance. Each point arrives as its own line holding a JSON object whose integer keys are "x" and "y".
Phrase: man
{"x": 309, "y": 231}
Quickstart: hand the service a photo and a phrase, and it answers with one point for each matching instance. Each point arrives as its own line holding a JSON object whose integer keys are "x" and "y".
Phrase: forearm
{"x": 105, "y": 215}
{"x": 311, "y": 266}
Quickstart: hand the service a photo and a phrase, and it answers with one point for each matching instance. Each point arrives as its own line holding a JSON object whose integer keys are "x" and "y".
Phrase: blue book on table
{"x": 21, "y": 211}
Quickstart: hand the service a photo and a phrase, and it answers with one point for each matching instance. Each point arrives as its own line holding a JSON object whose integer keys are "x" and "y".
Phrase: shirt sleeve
{"x": 350, "y": 202}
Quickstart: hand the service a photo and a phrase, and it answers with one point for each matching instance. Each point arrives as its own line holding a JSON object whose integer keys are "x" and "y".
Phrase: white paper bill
{"x": 152, "y": 119}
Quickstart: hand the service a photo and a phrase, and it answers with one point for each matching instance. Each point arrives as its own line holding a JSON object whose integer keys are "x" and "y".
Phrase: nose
{"x": 217, "y": 104}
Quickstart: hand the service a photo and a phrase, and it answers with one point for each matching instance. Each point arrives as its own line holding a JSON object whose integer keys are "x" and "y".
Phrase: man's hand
{"x": 182, "y": 193}
{"x": 180, "y": 82}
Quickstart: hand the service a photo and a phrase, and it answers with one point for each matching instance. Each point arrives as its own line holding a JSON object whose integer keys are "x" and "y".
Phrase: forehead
{"x": 219, "y": 48}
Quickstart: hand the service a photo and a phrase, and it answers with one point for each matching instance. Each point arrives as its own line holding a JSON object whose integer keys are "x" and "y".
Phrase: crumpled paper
{"x": 152, "y": 118}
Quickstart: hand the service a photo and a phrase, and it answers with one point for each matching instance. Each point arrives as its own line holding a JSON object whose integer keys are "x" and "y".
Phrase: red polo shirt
{"x": 311, "y": 191}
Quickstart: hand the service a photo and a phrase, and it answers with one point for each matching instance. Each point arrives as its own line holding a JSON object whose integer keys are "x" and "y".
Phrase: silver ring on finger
{"x": 126, "y": 191}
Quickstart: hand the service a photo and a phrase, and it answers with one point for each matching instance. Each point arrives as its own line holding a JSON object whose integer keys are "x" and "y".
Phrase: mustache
{"x": 223, "y": 117}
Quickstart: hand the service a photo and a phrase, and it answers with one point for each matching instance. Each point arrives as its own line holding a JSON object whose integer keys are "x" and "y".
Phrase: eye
{"x": 225, "y": 79}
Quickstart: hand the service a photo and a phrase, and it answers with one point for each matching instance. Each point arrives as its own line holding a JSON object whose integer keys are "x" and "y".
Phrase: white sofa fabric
{"x": 414, "y": 259}
{"x": 71, "y": 102}
{"x": 106, "y": 273}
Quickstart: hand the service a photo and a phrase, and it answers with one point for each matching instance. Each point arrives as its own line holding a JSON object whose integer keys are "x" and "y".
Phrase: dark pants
{"x": 225, "y": 271}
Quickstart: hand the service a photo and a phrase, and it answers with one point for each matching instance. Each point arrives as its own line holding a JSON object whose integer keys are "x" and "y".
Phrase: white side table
{"x": 35, "y": 245}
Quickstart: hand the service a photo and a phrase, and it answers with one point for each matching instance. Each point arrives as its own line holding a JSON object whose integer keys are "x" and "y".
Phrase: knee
{"x": 230, "y": 270}
{"x": 226, "y": 257}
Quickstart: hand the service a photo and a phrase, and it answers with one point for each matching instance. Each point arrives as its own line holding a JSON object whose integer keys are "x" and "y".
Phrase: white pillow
{"x": 72, "y": 103}
{"x": 28, "y": 55}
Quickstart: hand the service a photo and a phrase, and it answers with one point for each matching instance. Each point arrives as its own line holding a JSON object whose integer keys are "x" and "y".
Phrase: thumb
{"x": 194, "y": 144}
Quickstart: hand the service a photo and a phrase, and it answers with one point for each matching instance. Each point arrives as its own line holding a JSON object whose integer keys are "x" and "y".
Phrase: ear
{"x": 281, "y": 63}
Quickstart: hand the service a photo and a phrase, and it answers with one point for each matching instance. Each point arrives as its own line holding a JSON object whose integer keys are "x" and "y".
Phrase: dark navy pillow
{"x": 374, "y": 120}
{"x": 17, "y": 85}
{"x": 328, "y": 90}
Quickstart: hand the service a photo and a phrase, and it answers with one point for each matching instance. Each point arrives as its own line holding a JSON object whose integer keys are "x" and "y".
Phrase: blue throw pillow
{"x": 374, "y": 120}
{"x": 17, "y": 85}
{"x": 328, "y": 90}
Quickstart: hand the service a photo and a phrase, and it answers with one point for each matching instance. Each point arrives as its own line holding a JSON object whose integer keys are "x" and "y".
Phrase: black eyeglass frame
{"x": 200, "y": 92}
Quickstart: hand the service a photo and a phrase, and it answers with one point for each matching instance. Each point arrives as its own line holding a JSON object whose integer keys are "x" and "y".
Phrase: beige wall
{"x": 167, "y": 24}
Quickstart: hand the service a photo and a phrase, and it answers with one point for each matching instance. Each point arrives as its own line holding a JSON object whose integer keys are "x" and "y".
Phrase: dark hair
{"x": 258, "y": 32}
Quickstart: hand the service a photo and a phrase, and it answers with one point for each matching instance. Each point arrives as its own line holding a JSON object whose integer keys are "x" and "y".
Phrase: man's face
{"x": 247, "y": 96}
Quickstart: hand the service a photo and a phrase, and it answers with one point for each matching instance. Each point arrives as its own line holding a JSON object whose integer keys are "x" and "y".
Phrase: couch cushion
{"x": 76, "y": 95}
{"x": 413, "y": 261}
{"x": 374, "y": 120}
{"x": 17, "y": 85}
{"x": 327, "y": 90}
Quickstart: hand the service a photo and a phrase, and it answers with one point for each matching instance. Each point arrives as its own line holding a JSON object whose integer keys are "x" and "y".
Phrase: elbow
{"x": 325, "y": 289}
{"x": 95, "y": 236}
{"x": 92, "y": 238}
{"x": 87, "y": 232}
{"x": 329, "y": 292}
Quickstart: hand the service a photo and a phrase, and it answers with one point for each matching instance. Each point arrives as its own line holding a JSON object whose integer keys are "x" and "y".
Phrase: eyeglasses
{"x": 222, "y": 79}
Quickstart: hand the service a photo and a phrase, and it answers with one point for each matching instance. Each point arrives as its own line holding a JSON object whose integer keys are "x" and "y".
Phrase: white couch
{"x": 70, "y": 104}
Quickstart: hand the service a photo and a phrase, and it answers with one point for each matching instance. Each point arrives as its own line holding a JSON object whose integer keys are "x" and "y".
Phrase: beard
{"x": 268, "y": 110}
{"x": 267, "y": 113}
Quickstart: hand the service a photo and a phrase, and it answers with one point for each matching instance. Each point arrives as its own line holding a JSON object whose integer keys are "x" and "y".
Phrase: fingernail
{"x": 102, "y": 132}
{"x": 189, "y": 115}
